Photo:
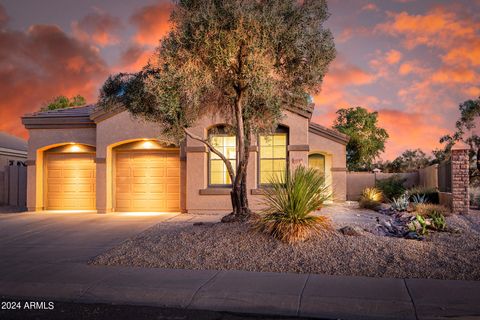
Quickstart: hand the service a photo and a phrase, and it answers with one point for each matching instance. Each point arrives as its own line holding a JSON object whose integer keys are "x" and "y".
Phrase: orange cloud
{"x": 393, "y": 56}
{"x": 39, "y": 64}
{"x": 152, "y": 23}
{"x": 410, "y": 129}
{"x": 370, "y": 7}
{"x": 134, "y": 58}
{"x": 100, "y": 28}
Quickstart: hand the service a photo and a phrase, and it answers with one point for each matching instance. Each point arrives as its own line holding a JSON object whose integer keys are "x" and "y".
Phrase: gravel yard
{"x": 179, "y": 243}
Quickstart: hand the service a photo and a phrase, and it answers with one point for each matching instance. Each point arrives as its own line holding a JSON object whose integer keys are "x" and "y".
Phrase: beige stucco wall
{"x": 335, "y": 163}
{"x": 196, "y": 196}
{"x": 44, "y": 139}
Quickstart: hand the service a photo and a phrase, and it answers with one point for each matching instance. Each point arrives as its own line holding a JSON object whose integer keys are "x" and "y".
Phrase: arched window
{"x": 317, "y": 161}
{"x": 217, "y": 170}
{"x": 273, "y": 156}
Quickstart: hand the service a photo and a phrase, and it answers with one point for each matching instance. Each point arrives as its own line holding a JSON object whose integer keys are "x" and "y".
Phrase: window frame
{"x": 280, "y": 129}
{"x": 221, "y": 133}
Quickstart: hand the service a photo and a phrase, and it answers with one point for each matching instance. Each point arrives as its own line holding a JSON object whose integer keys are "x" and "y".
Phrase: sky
{"x": 411, "y": 61}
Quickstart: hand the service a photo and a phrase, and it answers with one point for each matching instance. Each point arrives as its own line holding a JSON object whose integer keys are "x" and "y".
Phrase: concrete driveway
{"x": 31, "y": 241}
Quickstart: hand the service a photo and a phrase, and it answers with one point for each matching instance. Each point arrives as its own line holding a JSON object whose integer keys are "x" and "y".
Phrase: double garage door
{"x": 147, "y": 181}
{"x": 143, "y": 181}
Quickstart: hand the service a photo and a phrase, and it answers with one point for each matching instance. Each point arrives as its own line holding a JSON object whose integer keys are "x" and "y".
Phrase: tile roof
{"x": 8, "y": 141}
{"x": 83, "y": 111}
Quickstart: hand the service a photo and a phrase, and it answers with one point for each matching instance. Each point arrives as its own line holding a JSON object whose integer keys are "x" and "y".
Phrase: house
{"x": 89, "y": 159}
{"x": 12, "y": 151}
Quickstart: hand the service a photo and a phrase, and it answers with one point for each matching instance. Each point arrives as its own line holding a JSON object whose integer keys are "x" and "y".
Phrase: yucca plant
{"x": 289, "y": 203}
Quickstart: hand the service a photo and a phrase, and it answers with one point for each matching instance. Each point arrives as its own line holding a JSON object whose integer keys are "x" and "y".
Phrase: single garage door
{"x": 70, "y": 181}
{"x": 147, "y": 181}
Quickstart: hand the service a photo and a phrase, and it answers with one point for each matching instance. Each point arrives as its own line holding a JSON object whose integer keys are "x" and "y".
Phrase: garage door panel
{"x": 70, "y": 181}
{"x": 149, "y": 181}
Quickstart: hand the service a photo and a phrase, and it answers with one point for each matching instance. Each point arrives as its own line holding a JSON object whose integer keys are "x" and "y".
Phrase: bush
{"x": 288, "y": 206}
{"x": 392, "y": 187}
{"x": 371, "y": 198}
{"x": 427, "y": 209}
{"x": 430, "y": 194}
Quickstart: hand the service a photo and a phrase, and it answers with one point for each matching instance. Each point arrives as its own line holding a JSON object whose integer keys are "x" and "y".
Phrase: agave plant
{"x": 289, "y": 204}
{"x": 401, "y": 203}
{"x": 419, "y": 198}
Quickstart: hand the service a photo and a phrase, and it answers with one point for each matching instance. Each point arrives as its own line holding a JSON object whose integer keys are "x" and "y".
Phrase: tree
{"x": 241, "y": 60}
{"x": 367, "y": 140}
{"x": 62, "y": 102}
{"x": 469, "y": 113}
{"x": 409, "y": 161}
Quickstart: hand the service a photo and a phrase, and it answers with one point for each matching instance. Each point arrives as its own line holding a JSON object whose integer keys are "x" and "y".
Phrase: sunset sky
{"x": 412, "y": 61}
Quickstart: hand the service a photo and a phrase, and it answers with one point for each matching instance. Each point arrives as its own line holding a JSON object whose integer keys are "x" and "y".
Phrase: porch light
{"x": 147, "y": 145}
{"x": 75, "y": 148}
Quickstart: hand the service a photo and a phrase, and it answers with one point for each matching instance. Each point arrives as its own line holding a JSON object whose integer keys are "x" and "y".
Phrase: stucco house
{"x": 89, "y": 159}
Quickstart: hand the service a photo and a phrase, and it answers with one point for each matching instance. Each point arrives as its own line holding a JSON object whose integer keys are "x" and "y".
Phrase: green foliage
{"x": 401, "y": 203}
{"x": 392, "y": 187}
{"x": 288, "y": 205}
{"x": 408, "y": 161}
{"x": 367, "y": 140}
{"x": 423, "y": 224}
{"x": 371, "y": 198}
{"x": 218, "y": 54}
{"x": 430, "y": 194}
{"x": 62, "y": 102}
{"x": 438, "y": 221}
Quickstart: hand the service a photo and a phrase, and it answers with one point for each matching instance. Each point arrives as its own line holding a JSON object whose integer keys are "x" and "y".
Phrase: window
{"x": 317, "y": 161}
{"x": 273, "y": 156}
{"x": 218, "y": 173}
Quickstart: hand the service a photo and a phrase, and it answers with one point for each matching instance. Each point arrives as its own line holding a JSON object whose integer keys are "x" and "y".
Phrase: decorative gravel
{"x": 235, "y": 246}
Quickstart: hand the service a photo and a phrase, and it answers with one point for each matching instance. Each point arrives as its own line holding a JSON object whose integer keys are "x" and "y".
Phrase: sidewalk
{"x": 249, "y": 292}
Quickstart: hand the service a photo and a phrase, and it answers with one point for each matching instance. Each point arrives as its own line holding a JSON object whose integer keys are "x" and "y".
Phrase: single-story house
{"x": 85, "y": 158}
{"x": 12, "y": 150}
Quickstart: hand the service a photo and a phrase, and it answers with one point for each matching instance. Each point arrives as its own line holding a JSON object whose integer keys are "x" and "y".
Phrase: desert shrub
{"x": 401, "y": 203}
{"x": 438, "y": 221}
{"x": 427, "y": 209}
{"x": 392, "y": 187}
{"x": 289, "y": 204}
{"x": 371, "y": 198}
{"x": 418, "y": 199}
{"x": 430, "y": 194}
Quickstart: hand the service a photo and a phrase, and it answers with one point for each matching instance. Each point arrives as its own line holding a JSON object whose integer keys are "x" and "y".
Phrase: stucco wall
{"x": 40, "y": 140}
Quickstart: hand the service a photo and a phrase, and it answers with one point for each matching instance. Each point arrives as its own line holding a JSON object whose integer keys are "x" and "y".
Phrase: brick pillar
{"x": 460, "y": 178}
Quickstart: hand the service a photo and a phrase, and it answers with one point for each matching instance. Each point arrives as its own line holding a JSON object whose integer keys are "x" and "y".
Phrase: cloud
{"x": 393, "y": 56}
{"x": 3, "y": 16}
{"x": 370, "y": 7}
{"x": 100, "y": 28}
{"x": 152, "y": 23}
{"x": 410, "y": 129}
{"x": 41, "y": 63}
{"x": 134, "y": 58}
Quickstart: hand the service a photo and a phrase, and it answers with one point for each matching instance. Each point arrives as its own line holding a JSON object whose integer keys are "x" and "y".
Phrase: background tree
{"x": 465, "y": 131}
{"x": 241, "y": 60}
{"x": 409, "y": 161}
{"x": 62, "y": 102}
{"x": 367, "y": 140}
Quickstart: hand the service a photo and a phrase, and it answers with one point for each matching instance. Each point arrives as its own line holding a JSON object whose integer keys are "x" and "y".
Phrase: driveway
{"x": 31, "y": 243}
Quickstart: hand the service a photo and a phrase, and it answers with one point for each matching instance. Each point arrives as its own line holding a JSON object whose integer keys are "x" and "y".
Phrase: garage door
{"x": 70, "y": 181}
{"x": 147, "y": 181}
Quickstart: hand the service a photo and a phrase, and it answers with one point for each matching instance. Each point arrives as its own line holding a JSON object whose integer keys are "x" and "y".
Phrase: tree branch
{"x": 230, "y": 170}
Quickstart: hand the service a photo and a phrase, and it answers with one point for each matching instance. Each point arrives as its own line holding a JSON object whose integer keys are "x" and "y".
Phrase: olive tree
{"x": 238, "y": 59}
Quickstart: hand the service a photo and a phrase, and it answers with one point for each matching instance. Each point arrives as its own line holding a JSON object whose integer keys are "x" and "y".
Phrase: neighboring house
{"x": 88, "y": 159}
{"x": 12, "y": 149}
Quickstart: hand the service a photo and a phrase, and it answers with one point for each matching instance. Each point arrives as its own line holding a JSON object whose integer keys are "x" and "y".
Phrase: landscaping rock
{"x": 413, "y": 236}
{"x": 351, "y": 231}
{"x": 207, "y": 224}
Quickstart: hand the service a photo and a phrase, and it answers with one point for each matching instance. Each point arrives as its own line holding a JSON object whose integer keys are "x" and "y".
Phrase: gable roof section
{"x": 10, "y": 142}
{"x": 328, "y": 133}
{"x": 75, "y": 117}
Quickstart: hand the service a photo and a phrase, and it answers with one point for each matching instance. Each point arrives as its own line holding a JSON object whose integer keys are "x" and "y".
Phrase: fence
{"x": 445, "y": 176}
{"x": 357, "y": 181}
{"x": 13, "y": 184}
